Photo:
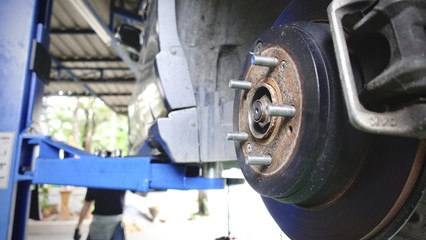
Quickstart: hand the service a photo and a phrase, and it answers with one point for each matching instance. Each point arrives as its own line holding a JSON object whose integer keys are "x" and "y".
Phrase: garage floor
{"x": 249, "y": 219}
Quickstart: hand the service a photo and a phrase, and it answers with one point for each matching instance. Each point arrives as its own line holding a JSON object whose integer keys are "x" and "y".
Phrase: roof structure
{"x": 82, "y": 63}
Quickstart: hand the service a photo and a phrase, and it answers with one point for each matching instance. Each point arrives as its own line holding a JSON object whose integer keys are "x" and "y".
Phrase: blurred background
{"x": 87, "y": 123}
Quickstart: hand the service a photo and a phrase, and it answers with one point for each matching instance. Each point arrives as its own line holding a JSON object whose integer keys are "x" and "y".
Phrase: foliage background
{"x": 84, "y": 122}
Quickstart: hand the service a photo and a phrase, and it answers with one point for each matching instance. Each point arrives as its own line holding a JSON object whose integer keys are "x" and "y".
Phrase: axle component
{"x": 308, "y": 146}
{"x": 405, "y": 76}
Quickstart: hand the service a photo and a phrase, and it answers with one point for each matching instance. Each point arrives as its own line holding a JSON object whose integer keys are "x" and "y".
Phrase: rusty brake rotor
{"x": 319, "y": 177}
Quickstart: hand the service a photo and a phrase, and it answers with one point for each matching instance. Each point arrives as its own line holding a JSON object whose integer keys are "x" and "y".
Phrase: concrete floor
{"x": 203, "y": 229}
{"x": 249, "y": 219}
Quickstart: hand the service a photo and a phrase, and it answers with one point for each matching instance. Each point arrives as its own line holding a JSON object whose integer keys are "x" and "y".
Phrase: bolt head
{"x": 257, "y": 111}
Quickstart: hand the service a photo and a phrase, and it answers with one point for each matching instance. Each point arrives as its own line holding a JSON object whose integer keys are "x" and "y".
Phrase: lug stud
{"x": 264, "y": 61}
{"x": 264, "y": 160}
{"x": 237, "y": 136}
{"x": 281, "y": 110}
{"x": 240, "y": 84}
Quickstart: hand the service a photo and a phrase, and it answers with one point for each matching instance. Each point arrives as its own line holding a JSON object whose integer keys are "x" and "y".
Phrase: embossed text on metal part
{"x": 382, "y": 122}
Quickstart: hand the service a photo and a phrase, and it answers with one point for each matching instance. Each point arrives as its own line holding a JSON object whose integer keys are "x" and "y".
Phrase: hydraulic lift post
{"x": 24, "y": 27}
{"x": 19, "y": 28}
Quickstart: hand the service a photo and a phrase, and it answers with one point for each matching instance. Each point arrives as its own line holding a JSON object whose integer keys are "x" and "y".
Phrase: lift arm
{"x": 133, "y": 173}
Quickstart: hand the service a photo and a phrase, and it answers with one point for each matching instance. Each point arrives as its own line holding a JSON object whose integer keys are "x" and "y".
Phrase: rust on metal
{"x": 274, "y": 136}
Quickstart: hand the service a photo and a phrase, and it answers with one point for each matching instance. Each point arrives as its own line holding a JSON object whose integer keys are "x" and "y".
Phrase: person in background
{"x": 107, "y": 215}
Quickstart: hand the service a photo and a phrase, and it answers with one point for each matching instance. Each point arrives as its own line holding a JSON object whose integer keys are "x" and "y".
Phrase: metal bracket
{"x": 61, "y": 164}
{"x": 408, "y": 121}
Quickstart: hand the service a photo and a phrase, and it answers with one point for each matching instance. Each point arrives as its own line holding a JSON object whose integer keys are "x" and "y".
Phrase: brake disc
{"x": 307, "y": 148}
{"x": 319, "y": 177}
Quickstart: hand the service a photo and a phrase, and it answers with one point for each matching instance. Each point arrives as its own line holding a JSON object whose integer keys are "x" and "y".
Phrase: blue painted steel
{"x": 17, "y": 29}
{"x": 172, "y": 176}
{"x": 133, "y": 173}
{"x": 21, "y": 93}
{"x": 33, "y": 108}
{"x": 127, "y": 15}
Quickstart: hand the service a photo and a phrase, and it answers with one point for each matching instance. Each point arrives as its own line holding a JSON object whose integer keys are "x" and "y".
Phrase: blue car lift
{"x": 27, "y": 158}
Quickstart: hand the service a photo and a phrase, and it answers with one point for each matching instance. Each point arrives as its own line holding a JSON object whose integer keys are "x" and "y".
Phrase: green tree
{"x": 84, "y": 122}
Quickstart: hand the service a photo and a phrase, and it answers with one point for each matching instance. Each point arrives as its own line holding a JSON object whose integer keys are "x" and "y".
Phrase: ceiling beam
{"x": 71, "y": 31}
{"x": 88, "y": 13}
{"x": 82, "y": 84}
{"x": 93, "y": 80}
{"x": 93, "y": 59}
{"x": 95, "y": 69}
{"x": 65, "y": 94}
{"x": 99, "y": 70}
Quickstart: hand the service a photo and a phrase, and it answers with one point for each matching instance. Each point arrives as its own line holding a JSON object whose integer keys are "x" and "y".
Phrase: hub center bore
{"x": 258, "y": 118}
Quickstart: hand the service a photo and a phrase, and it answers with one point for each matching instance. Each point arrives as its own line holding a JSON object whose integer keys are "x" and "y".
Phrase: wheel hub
{"x": 271, "y": 135}
{"x": 302, "y": 80}
{"x": 319, "y": 177}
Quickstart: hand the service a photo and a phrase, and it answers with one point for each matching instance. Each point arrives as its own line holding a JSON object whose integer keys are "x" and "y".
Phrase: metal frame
{"x": 20, "y": 90}
{"x": 97, "y": 69}
{"x": 88, "y": 95}
{"x": 59, "y": 68}
{"x": 408, "y": 121}
{"x": 72, "y": 31}
{"x": 94, "y": 59}
{"x": 91, "y": 16}
{"x": 96, "y": 81}
{"x": 113, "y": 42}
{"x": 27, "y": 158}
{"x": 82, "y": 84}
{"x": 127, "y": 15}
{"x": 123, "y": 13}
{"x": 80, "y": 168}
